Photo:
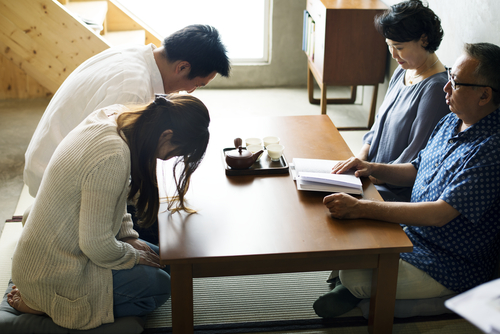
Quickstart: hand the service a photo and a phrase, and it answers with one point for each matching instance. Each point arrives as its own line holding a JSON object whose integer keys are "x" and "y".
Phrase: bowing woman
{"x": 79, "y": 260}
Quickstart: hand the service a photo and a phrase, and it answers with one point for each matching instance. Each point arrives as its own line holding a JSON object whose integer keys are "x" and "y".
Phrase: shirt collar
{"x": 156, "y": 80}
{"x": 486, "y": 126}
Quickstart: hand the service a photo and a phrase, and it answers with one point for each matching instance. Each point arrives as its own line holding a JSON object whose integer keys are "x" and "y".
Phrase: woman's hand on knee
{"x": 137, "y": 244}
{"x": 149, "y": 258}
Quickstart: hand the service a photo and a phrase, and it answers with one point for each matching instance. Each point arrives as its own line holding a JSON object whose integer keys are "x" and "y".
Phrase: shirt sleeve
{"x": 478, "y": 182}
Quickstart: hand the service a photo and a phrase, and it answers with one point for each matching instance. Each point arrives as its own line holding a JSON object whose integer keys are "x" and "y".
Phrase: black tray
{"x": 263, "y": 166}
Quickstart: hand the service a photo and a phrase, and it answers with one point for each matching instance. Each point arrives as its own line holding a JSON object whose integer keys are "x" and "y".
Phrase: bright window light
{"x": 242, "y": 24}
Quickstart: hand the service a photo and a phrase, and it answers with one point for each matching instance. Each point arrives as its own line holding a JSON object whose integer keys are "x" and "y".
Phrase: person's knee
{"x": 144, "y": 281}
{"x": 158, "y": 280}
{"x": 358, "y": 282}
{"x": 163, "y": 285}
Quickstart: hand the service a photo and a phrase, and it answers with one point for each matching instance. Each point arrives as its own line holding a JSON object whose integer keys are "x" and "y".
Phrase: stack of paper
{"x": 480, "y": 306}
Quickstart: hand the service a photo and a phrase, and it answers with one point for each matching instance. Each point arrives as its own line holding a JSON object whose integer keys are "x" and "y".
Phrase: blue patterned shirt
{"x": 462, "y": 169}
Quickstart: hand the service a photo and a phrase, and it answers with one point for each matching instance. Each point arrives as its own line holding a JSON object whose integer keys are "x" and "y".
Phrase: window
{"x": 242, "y": 24}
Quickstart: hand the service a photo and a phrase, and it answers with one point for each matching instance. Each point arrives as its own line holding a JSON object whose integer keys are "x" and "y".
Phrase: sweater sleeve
{"x": 127, "y": 228}
{"x": 101, "y": 215}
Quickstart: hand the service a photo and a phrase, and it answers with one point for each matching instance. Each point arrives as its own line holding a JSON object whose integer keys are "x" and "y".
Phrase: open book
{"x": 315, "y": 175}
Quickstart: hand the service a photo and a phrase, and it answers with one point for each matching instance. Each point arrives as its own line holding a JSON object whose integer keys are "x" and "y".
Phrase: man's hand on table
{"x": 342, "y": 206}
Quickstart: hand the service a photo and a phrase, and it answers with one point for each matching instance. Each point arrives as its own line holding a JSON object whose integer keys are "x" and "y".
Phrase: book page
{"x": 312, "y": 165}
{"x": 345, "y": 180}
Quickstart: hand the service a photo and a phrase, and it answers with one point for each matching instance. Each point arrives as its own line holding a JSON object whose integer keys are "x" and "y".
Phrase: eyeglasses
{"x": 455, "y": 84}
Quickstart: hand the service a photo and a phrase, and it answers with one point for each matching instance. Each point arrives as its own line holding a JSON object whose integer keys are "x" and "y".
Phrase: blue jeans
{"x": 140, "y": 290}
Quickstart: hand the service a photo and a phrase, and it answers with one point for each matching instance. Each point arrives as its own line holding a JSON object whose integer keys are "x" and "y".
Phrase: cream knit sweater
{"x": 63, "y": 261}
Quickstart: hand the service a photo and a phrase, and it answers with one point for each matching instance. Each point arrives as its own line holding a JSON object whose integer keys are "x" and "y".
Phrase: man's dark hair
{"x": 488, "y": 68}
{"x": 201, "y": 46}
{"x": 408, "y": 21}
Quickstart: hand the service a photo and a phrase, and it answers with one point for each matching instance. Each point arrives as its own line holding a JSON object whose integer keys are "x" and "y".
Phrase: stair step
{"x": 91, "y": 12}
{"x": 126, "y": 37}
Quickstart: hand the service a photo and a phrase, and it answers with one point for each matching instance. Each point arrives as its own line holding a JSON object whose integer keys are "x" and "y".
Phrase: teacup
{"x": 275, "y": 151}
{"x": 253, "y": 141}
{"x": 271, "y": 140}
{"x": 255, "y": 149}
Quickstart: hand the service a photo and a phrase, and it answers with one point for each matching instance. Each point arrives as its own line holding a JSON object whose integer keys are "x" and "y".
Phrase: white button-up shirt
{"x": 122, "y": 75}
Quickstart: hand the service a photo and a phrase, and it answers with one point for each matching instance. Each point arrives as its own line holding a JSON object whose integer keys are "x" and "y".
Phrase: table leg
{"x": 182, "y": 298}
{"x": 383, "y": 295}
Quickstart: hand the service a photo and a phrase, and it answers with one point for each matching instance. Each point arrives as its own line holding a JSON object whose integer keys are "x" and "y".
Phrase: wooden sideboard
{"x": 345, "y": 49}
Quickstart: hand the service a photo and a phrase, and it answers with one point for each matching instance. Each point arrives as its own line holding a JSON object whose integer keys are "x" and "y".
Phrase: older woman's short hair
{"x": 408, "y": 21}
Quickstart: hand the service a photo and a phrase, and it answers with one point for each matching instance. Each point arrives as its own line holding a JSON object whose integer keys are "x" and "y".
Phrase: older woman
{"x": 79, "y": 259}
{"x": 413, "y": 105}
{"x": 415, "y": 101}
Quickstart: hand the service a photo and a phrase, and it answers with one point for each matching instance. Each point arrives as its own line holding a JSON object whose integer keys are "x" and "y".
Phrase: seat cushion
{"x": 406, "y": 308}
{"x": 13, "y": 321}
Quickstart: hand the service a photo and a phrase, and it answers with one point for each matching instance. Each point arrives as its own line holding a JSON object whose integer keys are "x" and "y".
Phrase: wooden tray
{"x": 263, "y": 166}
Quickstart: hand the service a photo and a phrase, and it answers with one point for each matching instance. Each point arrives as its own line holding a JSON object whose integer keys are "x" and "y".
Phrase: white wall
{"x": 468, "y": 21}
{"x": 288, "y": 65}
{"x": 464, "y": 21}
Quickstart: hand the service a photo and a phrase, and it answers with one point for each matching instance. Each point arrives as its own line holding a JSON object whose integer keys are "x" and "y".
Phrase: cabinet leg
{"x": 371, "y": 116}
{"x": 324, "y": 101}
{"x": 310, "y": 87}
{"x": 312, "y": 100}
{"x": 373, "y": 107}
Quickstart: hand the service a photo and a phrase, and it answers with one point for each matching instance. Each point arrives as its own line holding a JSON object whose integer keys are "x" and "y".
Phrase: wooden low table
{"x": 261, "y": 224}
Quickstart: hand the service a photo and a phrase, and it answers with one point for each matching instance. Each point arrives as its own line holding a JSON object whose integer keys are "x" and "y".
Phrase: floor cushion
{"x": 12, "y": 321}
{"x": 406, "y": 308}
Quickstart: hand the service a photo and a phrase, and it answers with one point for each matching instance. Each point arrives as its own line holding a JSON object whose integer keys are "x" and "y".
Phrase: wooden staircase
{"x": 43, "y": 41}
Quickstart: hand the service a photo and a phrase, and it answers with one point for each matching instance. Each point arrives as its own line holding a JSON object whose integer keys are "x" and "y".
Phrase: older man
{"x": 453, "y": 217}
{"x": 189, "y": 58}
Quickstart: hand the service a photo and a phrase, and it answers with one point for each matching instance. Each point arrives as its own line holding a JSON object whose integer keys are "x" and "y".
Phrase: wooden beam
{"x": 121, "y": 19}
{"x": 45, "y": 40}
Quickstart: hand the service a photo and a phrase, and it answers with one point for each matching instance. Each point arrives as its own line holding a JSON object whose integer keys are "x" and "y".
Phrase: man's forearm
{"x": 399, "y": 174}
{"x": 436, "y": 213}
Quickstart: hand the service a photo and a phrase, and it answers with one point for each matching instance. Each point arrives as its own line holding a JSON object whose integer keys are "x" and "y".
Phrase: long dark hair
{"x": 188, "y": 119}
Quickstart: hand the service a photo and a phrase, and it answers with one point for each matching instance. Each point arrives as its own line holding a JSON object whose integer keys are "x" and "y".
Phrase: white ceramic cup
{"x": 275, "y": 151}
{"x": 271, "y": 140}
{"x": 253, "y": 141}
{"x": 255, "y": 149}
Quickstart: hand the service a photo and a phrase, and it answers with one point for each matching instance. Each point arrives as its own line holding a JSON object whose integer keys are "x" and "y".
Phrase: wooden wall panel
{"x": 15, "y": 83}
{"x": 44, "y": 40}
{"x": 120, "y": 19}
{"x": 41, "y": 43}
